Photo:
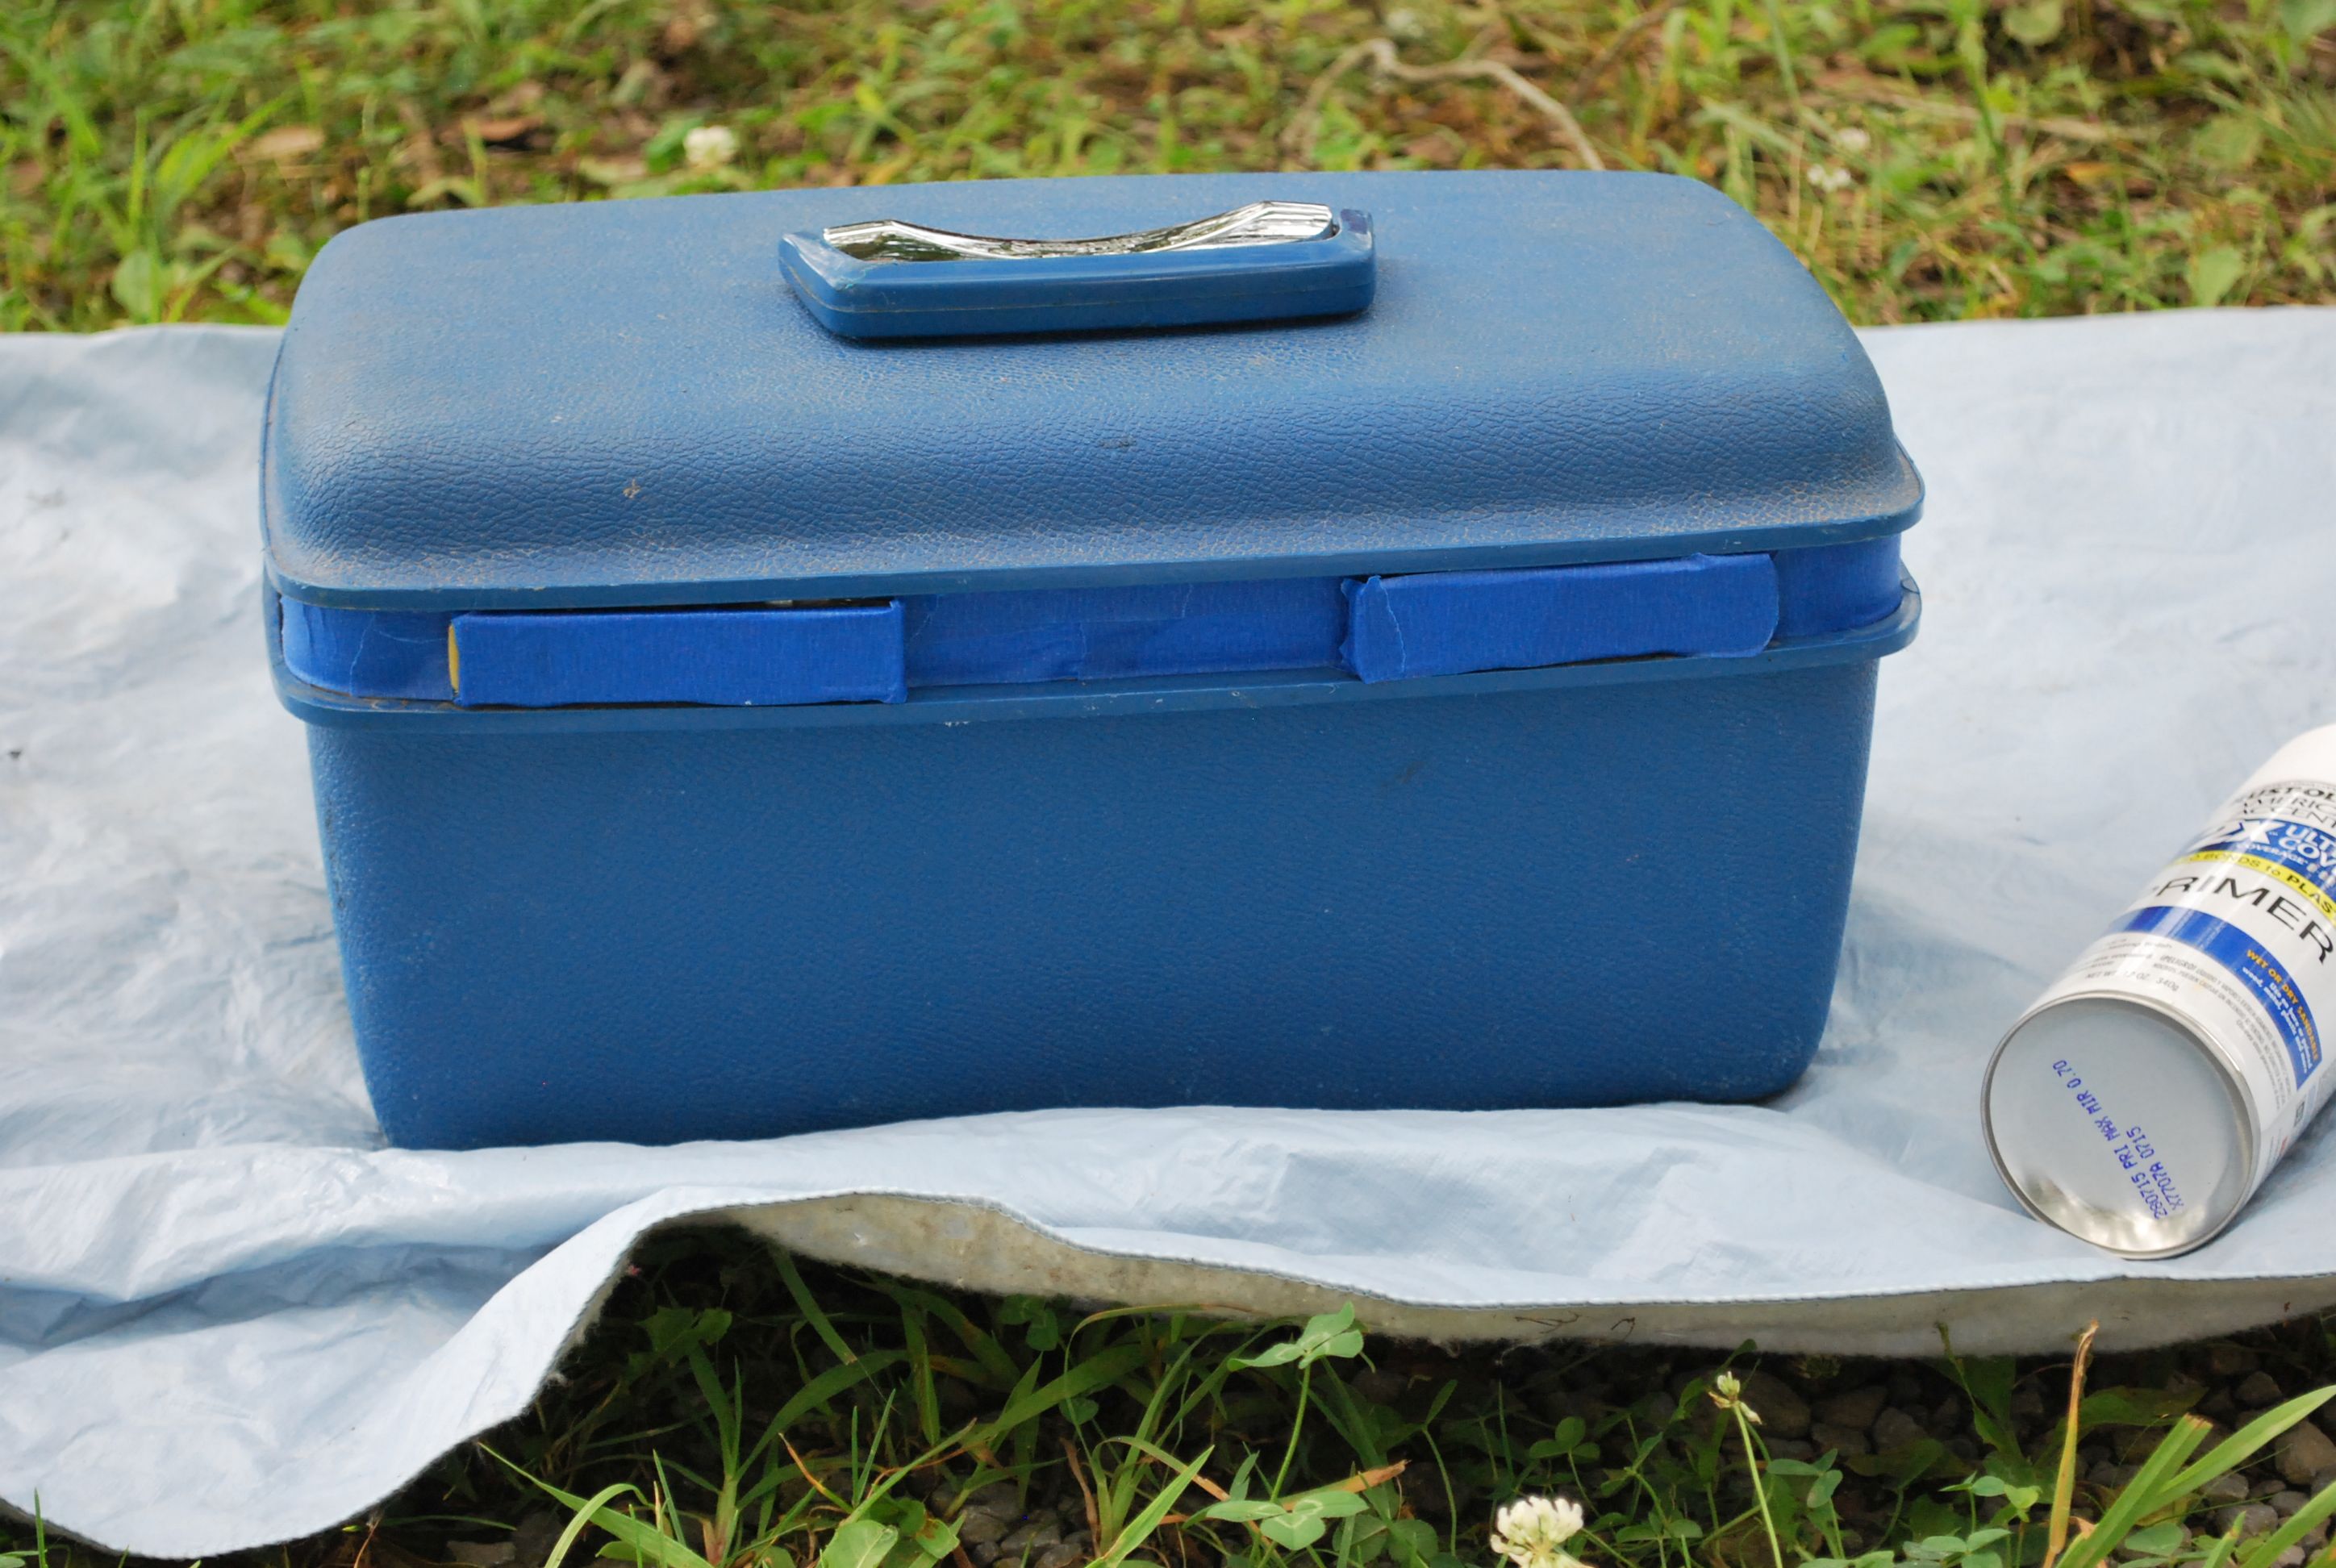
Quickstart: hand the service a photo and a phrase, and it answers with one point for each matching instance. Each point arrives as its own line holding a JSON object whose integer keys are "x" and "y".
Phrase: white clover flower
{"x": 1853, "y": 139}
{"x": 1405, "y": 23}
{"x": 1533, "y": 1530}
{"x": 1825, "y": 177}
{"x": 1727, "y": 1393}
{"x": 709, "y": 146}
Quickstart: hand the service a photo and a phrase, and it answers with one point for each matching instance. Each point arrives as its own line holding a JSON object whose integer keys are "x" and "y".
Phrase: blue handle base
{"x": 858, "y": 298}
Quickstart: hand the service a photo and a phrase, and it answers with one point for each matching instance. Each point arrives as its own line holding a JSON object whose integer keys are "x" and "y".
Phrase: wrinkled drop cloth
{"x": 229, "y": 1316}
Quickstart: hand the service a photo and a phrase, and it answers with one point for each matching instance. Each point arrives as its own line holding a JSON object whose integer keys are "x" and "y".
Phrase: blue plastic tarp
{"x": 230, "y": 1316}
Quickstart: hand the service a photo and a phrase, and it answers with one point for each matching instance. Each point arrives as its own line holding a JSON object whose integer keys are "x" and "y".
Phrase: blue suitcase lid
{"x": 627, "y": 404}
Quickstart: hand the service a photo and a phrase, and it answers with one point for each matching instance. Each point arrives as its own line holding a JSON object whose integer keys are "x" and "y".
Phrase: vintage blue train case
{"x": 792, "y": 661}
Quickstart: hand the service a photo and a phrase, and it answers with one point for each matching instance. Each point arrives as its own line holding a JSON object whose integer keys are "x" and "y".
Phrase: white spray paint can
{"x": 2146, "y": 1095}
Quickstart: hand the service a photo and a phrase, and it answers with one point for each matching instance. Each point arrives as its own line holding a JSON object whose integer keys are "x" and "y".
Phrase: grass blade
{"x": 1139, "y": 1529}
{"x": 2267, "y": 1551}
{"x": 649, "y": 1543}
{"x": 821, "y": 1324}
{"x": 2064, "y": 1481}
{"x": 2143, "y": 1496}
{"x": 2241, "y": 1444}
{"x": 582, "y": 1517}
{"x": 1084, "y": 1379}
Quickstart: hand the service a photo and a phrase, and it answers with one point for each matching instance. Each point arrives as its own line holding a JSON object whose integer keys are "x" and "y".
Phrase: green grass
{"x": 735, "y": 1408}
{"x": 182, "y": 159}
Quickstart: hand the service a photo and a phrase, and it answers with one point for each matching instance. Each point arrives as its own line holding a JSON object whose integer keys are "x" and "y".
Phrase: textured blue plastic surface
{"x": 879, "y": 300}
{"x": 1456, "y": 622}
{"x": 624, "y": 404}
{"x": 731, "y": 658}
{"x": 1517, "y": 619}
{"x": 1569, "y": 896}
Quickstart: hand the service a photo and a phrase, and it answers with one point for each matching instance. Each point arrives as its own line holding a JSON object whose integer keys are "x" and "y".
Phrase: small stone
{"x": 2304, "y": 1451}
{"x": 2257, "y": 1388}
{"x": 2116, "y": 1475}
{"x": 1847, "y": 1441}
{"x": 2247, "y": 1518}
{"x": 2230, "y": 1360}
{"x": 1000, "y": 1498}
{"x": 2288, "y": 1502}
{"x": 1947, "y": 1415}
{"x": 482, "y": 1553}
{"x": 537, "y": 1534}
{"x": 984, "y": 1554}
{"x": 2228, "y": 1487}
{"x": 1791, "y": 1449}
{"x": 1964, "y": 1450}
{"x": 1905, "y": 1388}
{"x": 1067, "y": 1554}
{"x": 2293, "y": 1557}
{"x": 2218, "y": 1406}
{"x": 2026, "y": 1404}
{"x": 1856, "y": 1408}
{"x": 2315, "y": 1538}
{"x": 1783, "y": 1413}
{"x": 1043, "y": 1530}
{"x": 980, "y": 1527}
{"x": 1894, "y": 1429}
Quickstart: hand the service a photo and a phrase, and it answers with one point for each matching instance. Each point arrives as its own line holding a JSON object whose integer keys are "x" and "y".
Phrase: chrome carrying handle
{"x": 1268, "y": 260}
{"x": 1259, "y": 223}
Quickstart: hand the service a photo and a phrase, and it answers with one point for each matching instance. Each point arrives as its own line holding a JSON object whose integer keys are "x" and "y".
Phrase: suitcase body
{"x": 1459, "y": 703}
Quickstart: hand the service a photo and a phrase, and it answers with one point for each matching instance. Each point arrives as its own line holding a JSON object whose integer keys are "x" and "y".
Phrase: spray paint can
{"x": 2147, "y": 1093}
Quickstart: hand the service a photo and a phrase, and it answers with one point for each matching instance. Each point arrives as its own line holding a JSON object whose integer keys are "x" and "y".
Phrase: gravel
{"x": 2247, "y": 1518}
{"x": 1894, "y": 1429}
{"x": 1849, "y": 1441}
{"x": 1044, "y": 1530}
{"x": 2230, "y": 1360}
{"x": 979, "y": 1527}
{"x": 1783, "y": 1412}
{"x": 2304, "y": 1452}
{"x": 1856, "y": 1409}
{"x": 2257, "y": 1387}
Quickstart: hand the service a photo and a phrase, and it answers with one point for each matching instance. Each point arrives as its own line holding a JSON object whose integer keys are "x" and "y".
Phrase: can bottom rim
{"x": 2160, "y": 1064}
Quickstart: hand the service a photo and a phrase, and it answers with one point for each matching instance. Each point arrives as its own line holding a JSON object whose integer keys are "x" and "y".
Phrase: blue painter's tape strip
{"x": 1834, "y": 586}
{"x": 1452, "y": 623}
{"x": 724, "y": 658}
{"x": 1396, "y": 627}
{"x": 2264, "y": 975}
{"x": 1114, "y": 633}
{"x": 368, "y": 652}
